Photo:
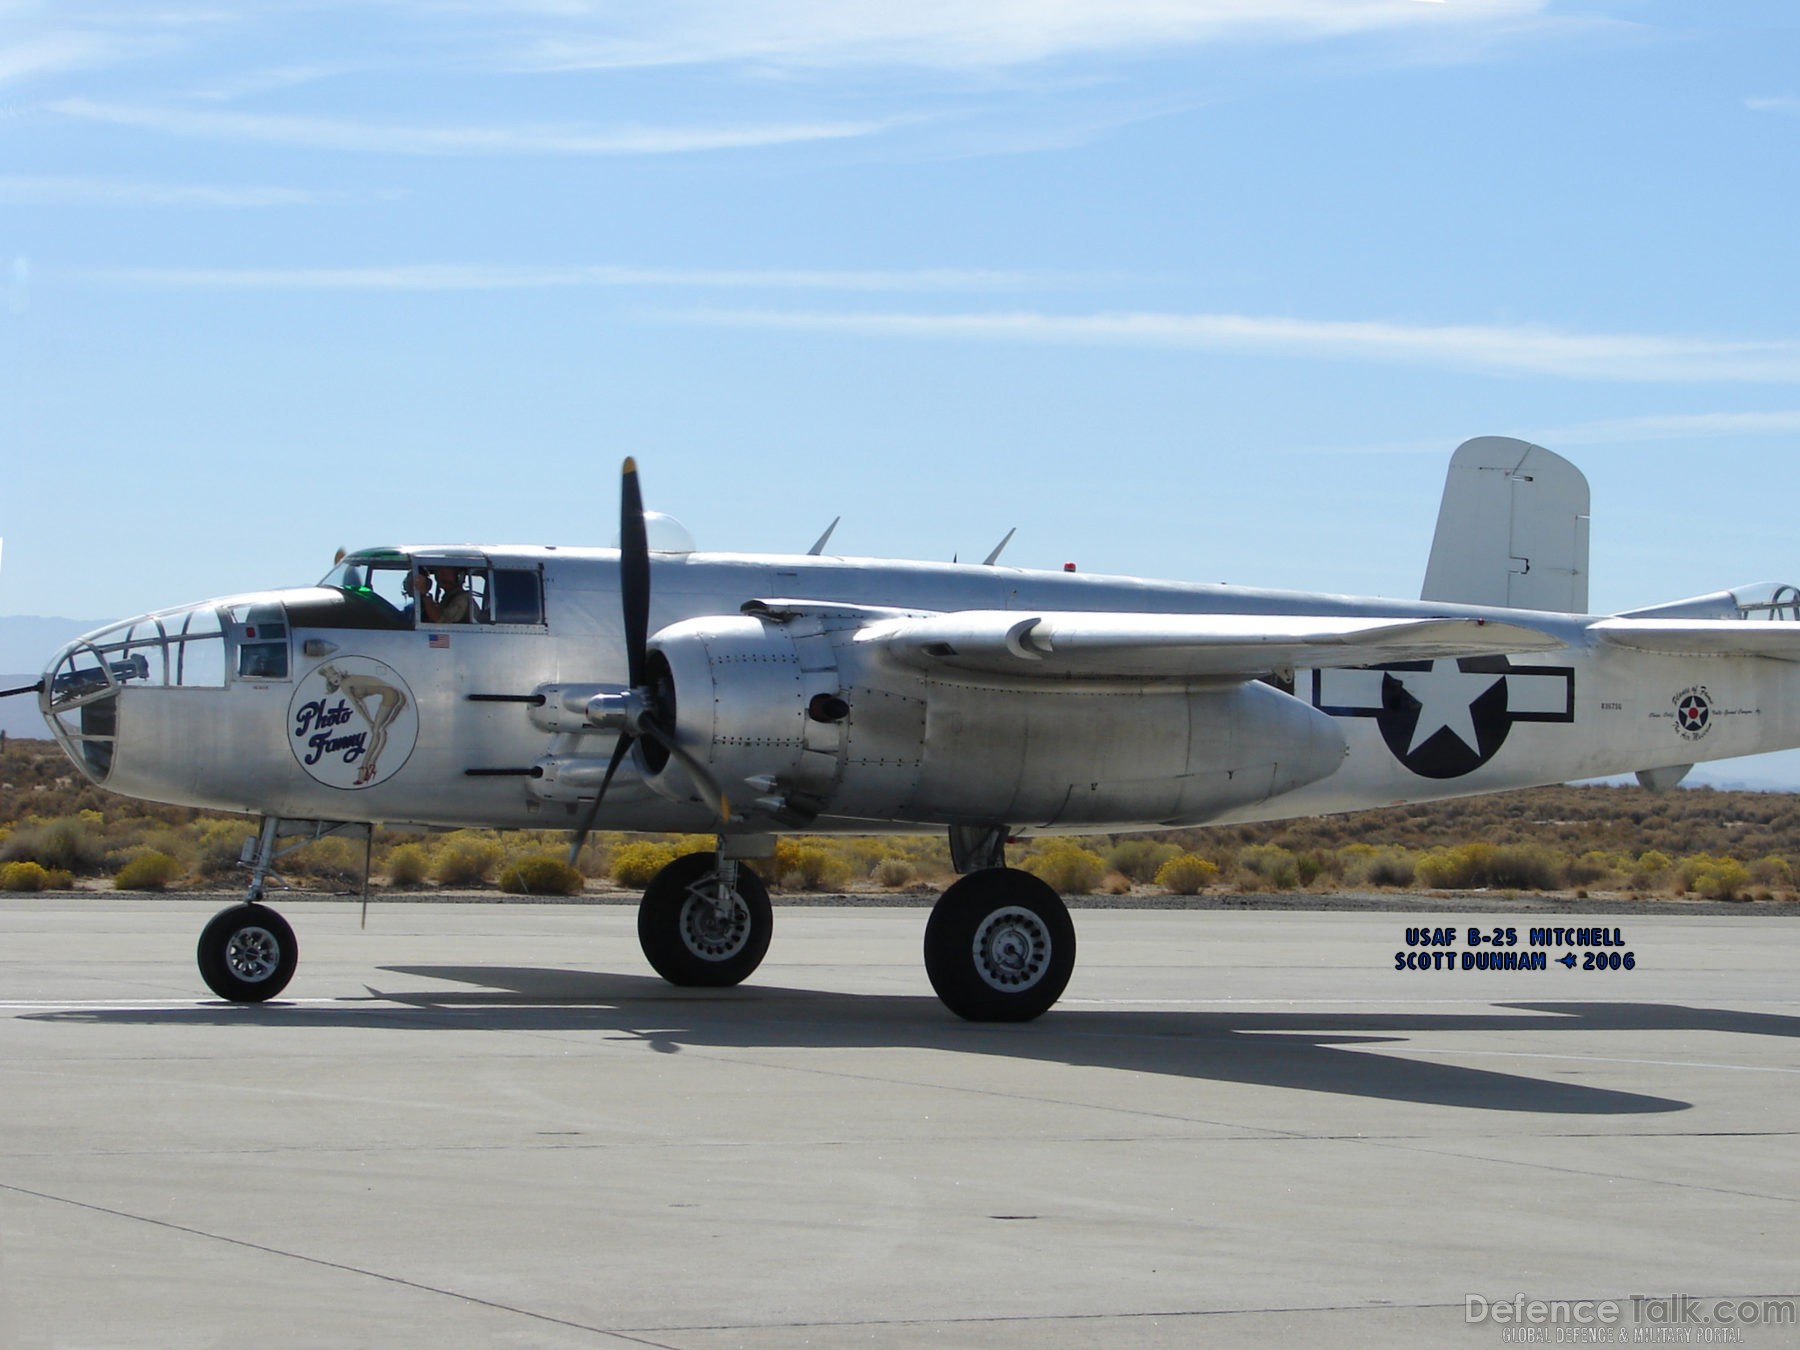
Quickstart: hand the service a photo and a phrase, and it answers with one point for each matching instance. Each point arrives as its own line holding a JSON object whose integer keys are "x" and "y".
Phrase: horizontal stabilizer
{"x": 1184, "y": 646}
{"x": 1774, "y": 638}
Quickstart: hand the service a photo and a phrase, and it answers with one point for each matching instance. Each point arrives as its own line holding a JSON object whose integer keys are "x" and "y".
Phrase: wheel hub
{"x": 714, "y": 927}
{"x": 1012, "y": 949}
{"x": 252, "y": 954}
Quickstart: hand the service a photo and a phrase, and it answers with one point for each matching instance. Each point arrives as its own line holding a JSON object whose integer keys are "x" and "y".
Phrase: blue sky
{"x": 1189, "y": 288}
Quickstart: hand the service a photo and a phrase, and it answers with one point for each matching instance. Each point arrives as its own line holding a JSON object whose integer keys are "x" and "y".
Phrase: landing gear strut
{"x": 705, "y": 921}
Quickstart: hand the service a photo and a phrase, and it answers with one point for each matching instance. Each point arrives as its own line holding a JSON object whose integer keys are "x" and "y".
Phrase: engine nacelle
{"x": 796, "y": 720}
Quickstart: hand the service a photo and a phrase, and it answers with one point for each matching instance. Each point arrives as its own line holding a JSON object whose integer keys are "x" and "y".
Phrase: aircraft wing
{"x": 1049, "y": 645}
{"x": 1775, "y": 638}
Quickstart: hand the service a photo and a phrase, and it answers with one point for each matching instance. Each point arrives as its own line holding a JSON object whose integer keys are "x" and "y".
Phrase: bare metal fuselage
{"x": 468, "y": 724}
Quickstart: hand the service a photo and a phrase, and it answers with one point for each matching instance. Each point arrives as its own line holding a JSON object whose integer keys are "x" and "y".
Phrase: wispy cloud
{"x": 1601, "y": 431}
{"x": 24, "y": 190}
{"x": 58, "y": 53}
{"x": 949, "y": 34}
{"x": 267, "y": 80}
{"x": 470, "y": 277}
{"x": 1675, "y": 427}
{"x": 338, "y": 134}
{"x": 1784, "y": 103}
{"x": 1492, "y": 350}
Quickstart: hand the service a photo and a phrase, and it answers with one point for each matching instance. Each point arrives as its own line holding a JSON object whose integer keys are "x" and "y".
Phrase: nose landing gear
{"x": 247, "y": 953}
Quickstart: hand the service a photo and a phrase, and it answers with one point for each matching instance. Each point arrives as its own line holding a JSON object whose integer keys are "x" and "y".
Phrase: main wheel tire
{"x": 247, "y": 953}
{"x": 686, "y": 937}
{"x": 999, "y": 946}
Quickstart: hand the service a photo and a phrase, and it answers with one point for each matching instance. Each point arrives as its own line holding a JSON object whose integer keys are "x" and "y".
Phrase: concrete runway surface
{"x": 489, "y": 1124}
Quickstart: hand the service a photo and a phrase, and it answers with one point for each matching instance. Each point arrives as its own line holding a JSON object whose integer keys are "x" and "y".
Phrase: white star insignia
{"x": 1447, "y": 696}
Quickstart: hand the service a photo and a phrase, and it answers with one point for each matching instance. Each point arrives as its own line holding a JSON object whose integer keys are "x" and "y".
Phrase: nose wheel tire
{"x": 999, "y": 946}
{"x": 247, "y": 953}
{"x": 696, "y": 931}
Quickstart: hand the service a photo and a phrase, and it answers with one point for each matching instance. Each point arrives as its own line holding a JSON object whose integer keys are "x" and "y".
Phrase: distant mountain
{"x": 27, "y": 642}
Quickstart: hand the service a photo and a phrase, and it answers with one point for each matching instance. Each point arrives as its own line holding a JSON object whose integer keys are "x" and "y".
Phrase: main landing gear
{"x": 999, "y": 946}
{"x": 705, "y": 921}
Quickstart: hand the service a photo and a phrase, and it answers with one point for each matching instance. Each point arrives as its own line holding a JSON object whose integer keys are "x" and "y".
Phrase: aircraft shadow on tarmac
{"x": 1316, "y": 1052}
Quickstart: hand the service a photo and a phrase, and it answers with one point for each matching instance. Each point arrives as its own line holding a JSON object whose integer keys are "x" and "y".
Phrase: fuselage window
{"x": 517, "y": 596}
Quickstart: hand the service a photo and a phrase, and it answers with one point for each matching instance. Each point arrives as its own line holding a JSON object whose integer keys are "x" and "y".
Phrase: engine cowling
{"x": 737, "y": 691}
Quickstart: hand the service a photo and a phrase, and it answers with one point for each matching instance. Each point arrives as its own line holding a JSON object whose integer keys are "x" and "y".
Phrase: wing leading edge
{"x": 1051, "y": 645}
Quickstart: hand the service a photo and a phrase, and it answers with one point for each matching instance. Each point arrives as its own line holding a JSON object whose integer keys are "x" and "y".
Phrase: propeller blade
{"x": 703, "y": 779}
{"x": 620, "y": 750}
{"x": 634, "y": 573}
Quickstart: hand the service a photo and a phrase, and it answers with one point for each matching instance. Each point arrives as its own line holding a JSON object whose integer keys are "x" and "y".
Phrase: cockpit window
{"x": 434, "y": 588}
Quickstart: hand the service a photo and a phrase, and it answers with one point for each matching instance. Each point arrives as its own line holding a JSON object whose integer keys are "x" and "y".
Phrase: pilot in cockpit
{"x": 451, "y": 603}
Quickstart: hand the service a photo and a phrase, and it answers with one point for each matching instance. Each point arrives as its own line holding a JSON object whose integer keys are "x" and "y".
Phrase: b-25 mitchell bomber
{"x": 744, "y": 695}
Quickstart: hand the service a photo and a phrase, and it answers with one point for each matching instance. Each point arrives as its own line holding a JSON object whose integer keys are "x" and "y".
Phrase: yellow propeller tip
{"x": 630, "y": 465}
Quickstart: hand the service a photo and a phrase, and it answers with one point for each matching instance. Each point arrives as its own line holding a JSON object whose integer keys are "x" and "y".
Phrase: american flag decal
{"x": 438, "y": 640}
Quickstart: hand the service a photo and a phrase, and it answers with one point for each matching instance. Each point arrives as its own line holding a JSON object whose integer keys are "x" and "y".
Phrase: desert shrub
{"x": 220, "y": 845}
{"x": 1772, "y": 871}
{"x": 1140, "y": 859}
{"x": 408, "y": 865}
{"x": 540, "y": 874}
{"x": 1453, "y": 868}
{"x": 67, "y": 843}
{"x": 1590, "y": 867}
{"x": 1523, "y": 867}
{"x": 1650, "y": 866}
{"x": 1271, "y": 865}
{"x": 149, "y": 871}
{"x": 1716, "y": 878}
{"x": 27, "y": 876}
{"x": 1186, "y": 874}
{"x": 804, "y": 866}
{"x": 466, "y": 858}
{"x": 1370, "y": 866}
{"x": 636, "y": 862}
{"x": 332, "y": 857}
{"x": 1066, "y": 867}
{"x": 895, "y": 873}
